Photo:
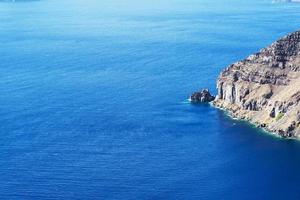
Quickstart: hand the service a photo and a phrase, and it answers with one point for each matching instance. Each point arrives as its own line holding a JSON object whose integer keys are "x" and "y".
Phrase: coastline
{"x": 264, "y": 88}
{"x": 252, "y": 124}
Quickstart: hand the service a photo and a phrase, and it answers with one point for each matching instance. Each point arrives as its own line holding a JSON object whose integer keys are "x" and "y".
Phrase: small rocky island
{"x": 265, "y": 88}
{"x": 202, "y": 96}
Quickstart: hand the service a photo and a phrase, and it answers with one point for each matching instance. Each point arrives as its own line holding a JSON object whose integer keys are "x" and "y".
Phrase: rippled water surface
{"x": 93, "y": 101}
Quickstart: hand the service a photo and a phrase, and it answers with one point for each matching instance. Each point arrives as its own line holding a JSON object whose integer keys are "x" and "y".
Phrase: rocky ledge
{"x": 265, "y": 87}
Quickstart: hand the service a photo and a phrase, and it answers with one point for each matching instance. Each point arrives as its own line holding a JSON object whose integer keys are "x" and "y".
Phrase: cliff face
{"x": 265, "y": 87}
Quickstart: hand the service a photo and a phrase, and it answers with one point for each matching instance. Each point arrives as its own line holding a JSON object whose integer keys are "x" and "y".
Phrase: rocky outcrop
{"x": 203, "y": 96}
{"x": 265, "y": 87}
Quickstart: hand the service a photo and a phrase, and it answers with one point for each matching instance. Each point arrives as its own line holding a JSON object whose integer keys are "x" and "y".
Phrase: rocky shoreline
{"x": 264, "y": 88}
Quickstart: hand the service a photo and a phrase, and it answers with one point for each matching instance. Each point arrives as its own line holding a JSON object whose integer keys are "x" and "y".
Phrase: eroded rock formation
{"x": 203, "y": 96}
{"x": 265, "y": 87}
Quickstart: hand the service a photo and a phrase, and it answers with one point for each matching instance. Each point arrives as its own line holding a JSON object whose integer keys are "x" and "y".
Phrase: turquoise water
{"x": 93, "y": 101}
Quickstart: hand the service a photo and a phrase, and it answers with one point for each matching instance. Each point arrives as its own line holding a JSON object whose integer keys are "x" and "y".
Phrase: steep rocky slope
{"x": 265, "y": 87}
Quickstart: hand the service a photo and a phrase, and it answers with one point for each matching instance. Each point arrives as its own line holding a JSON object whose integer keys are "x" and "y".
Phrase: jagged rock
{"x": 265, "y": 87}
{"x": 273, "y": 113}
{"x": 291, "y": 128}
{"x": 203, "y": 96}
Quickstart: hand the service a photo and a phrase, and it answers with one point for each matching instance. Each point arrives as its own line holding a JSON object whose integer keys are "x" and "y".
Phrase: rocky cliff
{"x": 265, "y": 87}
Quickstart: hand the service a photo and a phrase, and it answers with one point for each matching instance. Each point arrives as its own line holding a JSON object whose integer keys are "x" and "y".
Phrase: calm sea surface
{"x": 93, "y": 101}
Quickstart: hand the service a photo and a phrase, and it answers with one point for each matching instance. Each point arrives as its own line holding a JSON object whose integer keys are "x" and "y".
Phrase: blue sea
{"x": 93, "y": 101}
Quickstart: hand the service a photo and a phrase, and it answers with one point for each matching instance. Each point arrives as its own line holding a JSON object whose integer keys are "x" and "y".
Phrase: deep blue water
{"x": 93, "y": 101}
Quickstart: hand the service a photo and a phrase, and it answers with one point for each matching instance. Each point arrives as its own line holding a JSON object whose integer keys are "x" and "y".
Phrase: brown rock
{"x": 265, "y": 87}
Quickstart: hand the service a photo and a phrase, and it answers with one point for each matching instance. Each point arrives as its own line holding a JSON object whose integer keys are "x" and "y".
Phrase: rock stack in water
{"x": 203, "y": 96}
{"x": 265, "y": 87}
